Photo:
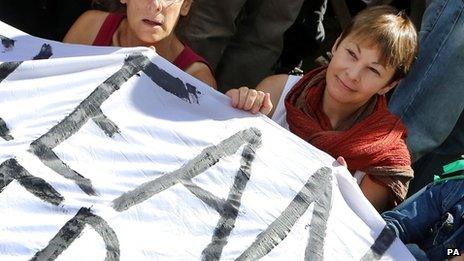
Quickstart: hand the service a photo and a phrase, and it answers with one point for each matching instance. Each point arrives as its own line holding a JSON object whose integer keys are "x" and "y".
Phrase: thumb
{"x": 267, "y": 104}
{"x": 342, "y": 161}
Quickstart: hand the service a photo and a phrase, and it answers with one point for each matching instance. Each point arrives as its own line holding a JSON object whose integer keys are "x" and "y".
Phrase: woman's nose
{"x": 354, "y": 72}
{"x": 156, "y": 5}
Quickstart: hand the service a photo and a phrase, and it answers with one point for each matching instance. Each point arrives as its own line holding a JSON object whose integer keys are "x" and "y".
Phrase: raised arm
{"x": 202, "y": 72}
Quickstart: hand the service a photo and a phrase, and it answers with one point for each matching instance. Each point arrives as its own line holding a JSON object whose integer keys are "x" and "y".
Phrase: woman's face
{"x": 154, "y": 20}
{"x": 356, "y": 73}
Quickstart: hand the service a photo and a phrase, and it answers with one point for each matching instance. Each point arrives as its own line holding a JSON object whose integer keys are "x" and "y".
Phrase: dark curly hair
{"x": 109, "y": 6}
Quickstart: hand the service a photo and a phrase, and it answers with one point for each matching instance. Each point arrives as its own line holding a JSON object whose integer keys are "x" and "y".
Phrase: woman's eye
{"x": 374, "y": 71}
{"x": 351, "y": 53}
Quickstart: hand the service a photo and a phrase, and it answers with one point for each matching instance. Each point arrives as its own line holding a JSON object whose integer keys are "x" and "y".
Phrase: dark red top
{"x": 105, "y": 36}
{"x": 107, "y": 30}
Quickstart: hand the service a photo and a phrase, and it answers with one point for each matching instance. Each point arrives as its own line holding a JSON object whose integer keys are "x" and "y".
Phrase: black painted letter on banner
{"x": 318, "y": 189}
{"x": 227, "y": 209}
{"x": 11, "y": 170}
{"x": 381, "y": 245}
{"x": 72, "y": 230}
{"x": 7, "y": 42}
{"x": 45, "y": 52}
{"x": 4, "y": 131}
{"x": 88, "y": 109}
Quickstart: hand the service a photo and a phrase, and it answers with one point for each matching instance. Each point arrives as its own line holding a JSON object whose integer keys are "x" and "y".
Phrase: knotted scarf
{"x": 372, "y": 141}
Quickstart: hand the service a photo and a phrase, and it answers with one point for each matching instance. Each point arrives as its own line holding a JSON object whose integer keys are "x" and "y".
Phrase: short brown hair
{"x": 392, "y": 31}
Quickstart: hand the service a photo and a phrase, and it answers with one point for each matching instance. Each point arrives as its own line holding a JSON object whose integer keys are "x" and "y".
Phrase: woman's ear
{"x": 185, "y": 8}
{"x": 387, "y": 88}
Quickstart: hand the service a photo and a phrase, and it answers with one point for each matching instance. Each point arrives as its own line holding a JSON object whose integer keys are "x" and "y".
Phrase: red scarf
{"x": 375, "y": 141}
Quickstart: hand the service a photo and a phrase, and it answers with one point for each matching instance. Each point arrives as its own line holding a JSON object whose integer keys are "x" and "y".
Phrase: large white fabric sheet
{"x": 159, "y": 133}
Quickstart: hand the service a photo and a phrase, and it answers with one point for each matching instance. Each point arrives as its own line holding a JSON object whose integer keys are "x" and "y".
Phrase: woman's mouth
{"x": 343, "y": 85}
{"x": 151, "y": 22}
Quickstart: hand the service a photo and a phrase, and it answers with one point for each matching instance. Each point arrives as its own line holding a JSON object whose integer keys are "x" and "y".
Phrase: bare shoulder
{"x": 273, "y": 85}
{"x": 85, "y": 28}
{"x": 202, "y": 72}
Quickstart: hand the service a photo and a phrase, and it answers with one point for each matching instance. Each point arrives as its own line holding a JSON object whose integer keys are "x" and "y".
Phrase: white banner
{"x": 109, "y": 153}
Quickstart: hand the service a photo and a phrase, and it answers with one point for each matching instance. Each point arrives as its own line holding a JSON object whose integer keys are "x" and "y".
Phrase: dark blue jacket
{"x": 433, "y": 218}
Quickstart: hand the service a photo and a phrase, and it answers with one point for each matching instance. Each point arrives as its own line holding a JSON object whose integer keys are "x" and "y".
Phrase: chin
{"x": 154, "y": 38}
{"x": 337, "y": 94}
